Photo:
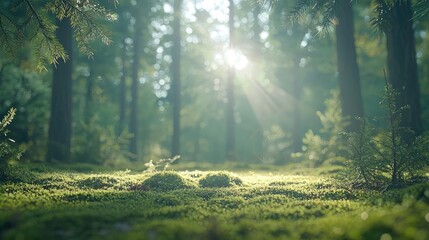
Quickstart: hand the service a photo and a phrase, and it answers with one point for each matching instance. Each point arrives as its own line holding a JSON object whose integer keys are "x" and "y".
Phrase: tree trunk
{"x": 230, "y": 118}
{"x": 92, "y": 136}
{"x": 402, "y": 66}
{"x": 175, "y": 145}
{"x": 348, "y": 70}
{"x": 61, "y": 100}
{"x": 134, "y": 85}
{"x": 256, "y": 28}
{"x": 122, "y": 89}
{"x": 197, "y": 141}
{"x": 297, "y": 91}
{"x": 88, "y": 112}
{"x": 297, "y": 134}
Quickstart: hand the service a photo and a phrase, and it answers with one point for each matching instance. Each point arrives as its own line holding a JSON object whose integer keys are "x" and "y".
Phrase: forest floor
{"x": 83, "y": 203}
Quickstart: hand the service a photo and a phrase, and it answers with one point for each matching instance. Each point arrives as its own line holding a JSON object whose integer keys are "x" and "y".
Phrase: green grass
{"x": 85, "y": 204}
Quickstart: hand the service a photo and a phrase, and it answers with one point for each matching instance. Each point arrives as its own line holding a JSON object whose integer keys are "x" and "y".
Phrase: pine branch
{"x": 300, "y": 9}
{"x": 82, "y": 20}
{"x": 329, "y": 16}
{"x": 382, "y": 11}
{"x": 8, "y": 37}
{"x": 43, "y": 26}
{"x": 7, "y": 119}
{"x": 421, "y": 8}
{"x": 47, "y": 48}
{"x": 38, "y": 29}
{"x": 267, "y": 3}
{"x": 320, "y": 12}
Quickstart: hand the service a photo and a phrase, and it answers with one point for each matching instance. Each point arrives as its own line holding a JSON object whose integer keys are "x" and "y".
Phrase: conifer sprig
{"x": 7, "y": 119}
{"x": 26, "y": 22}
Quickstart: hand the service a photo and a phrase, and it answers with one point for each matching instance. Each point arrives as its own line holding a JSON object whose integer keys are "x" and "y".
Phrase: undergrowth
{"x": 9, "y": 152}
{"x": 390, "y": 157}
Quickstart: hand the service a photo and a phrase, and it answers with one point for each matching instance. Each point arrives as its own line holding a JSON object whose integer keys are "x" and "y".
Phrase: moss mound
{"x": 219, "y": 180}
{"x": 166, "y": 181}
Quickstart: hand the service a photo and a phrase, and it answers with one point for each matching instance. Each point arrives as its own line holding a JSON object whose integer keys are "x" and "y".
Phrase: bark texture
{"x": 348, "y": 70}
{"x": 60, "y": 124}
{"x": 402, "y": 65}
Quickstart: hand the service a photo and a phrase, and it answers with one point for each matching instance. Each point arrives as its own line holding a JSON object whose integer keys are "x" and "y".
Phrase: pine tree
{"x": 395, "y": 20}
{"x": 339, "y": 14}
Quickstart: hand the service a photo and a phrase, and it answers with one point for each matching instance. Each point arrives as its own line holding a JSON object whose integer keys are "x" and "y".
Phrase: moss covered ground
{"x": 90, "y": 204}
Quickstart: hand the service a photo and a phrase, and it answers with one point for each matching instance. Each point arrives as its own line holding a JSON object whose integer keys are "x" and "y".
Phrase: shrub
{"x": 166, "y": 181}
{"x": 218, "y": 180}
{"x": 8, "y": 150}
{"x": 360, "y": 166}
{"x": 329, "y": 144}
{"x": 386, "y": 157}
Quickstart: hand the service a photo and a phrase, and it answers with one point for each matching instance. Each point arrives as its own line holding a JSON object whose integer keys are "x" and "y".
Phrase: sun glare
{"x": 235, "y": 58}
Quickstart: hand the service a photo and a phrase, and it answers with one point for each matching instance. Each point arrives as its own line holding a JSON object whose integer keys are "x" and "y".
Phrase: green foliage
{"x": 220, "y": 180}
{"x": 7, "y": 120}
{"x": 29, "y": 23}
{"x": 421, "y": 8}
{"x": 165, "y": 181}
{"x": 385, "y": 12}
{"x": 276, "y": 144}
{"x": 395, "y": 146}
{"x": 28, "y": 91}
{"x": 401, "y": 156}
{"x": 380, "y": 158}
{"x": 8, "y": 150}
{"x": 313, "y": 147}
{"x": 321, "y": 12}
{"x": 362, "y": 168}
{"x": 329, "y": 144}
{"x": 82, "y": 20}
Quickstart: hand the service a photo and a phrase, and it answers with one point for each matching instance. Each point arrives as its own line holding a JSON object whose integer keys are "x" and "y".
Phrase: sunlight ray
{"x": 269, "y": 102}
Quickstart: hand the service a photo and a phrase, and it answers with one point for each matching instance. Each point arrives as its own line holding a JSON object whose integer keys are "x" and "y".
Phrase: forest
{"x": 200, "y": 119}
